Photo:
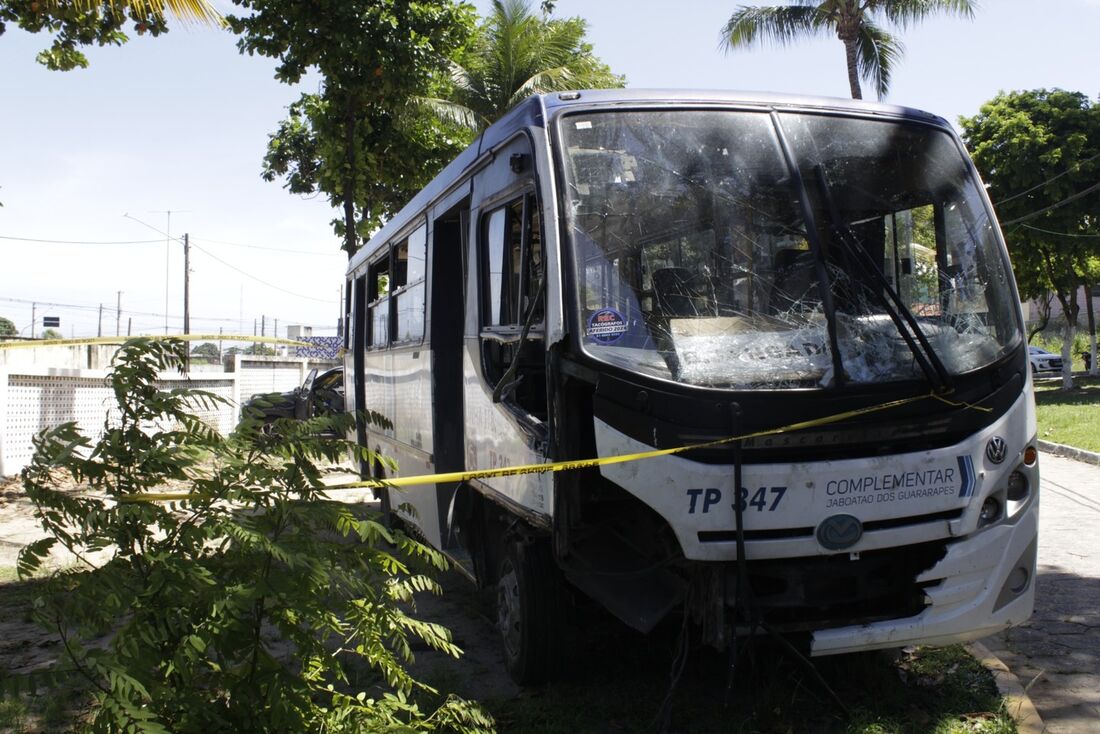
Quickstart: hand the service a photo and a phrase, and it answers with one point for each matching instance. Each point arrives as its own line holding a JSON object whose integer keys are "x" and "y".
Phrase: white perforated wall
{"x": 35, "y": 400}
{"x": 38, "y": 402}
{"x": 256, "y": 376}
{"x": 222, "y": 417}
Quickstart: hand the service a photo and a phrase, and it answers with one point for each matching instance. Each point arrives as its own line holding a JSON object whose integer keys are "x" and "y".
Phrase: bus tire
{"x": 529, "y": 612}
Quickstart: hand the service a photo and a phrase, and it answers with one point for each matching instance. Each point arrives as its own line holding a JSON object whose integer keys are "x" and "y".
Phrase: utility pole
{"x": 263, "y": 326}
{"x": 186, "y": 284}
{"x": 129, "y": 323}
{"x": 99, "y": 329}
{"x": 34, "y": 307}
{"x": 118, "y": 315}
{"x": 167, "y": 252}
{"x": 167, "y": 265}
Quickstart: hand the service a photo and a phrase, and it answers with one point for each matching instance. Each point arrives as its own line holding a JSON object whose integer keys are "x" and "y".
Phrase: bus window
{"x": 378, "y": 289}
{"x": 503, "y": 242}
{"x": 512, "y": 296}
{"x": 532, "y": 268}
{"x": 909, "y": 263}
{"x": 495, "y": 251}
{"x": 345, "y": 324}
{"x": 408, "y": 285}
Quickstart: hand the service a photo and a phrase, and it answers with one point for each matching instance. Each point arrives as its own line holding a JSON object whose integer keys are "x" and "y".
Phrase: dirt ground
{"x": 618, "y": 680}
{"x": 23, "y": 645}
{"x": 479, "y": 674}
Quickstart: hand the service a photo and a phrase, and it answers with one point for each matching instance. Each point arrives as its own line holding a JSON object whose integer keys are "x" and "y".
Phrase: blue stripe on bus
{"x": 966, "y": 469}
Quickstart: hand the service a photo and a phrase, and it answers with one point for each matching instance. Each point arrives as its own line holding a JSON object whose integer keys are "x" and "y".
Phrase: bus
{"x": 776, "y": 342}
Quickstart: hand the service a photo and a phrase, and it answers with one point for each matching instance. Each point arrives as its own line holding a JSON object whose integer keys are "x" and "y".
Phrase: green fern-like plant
{"x": 242, "y": 607}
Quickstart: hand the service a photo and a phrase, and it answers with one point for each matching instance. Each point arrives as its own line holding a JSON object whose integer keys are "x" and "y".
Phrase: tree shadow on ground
{"x": 617, "y": 680}
{"x": 1057, "y": 651}
{"x": 1086, "y": 391}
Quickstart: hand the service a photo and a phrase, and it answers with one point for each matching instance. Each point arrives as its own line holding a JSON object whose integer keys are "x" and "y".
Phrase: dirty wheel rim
{"x": 508, "y": 608}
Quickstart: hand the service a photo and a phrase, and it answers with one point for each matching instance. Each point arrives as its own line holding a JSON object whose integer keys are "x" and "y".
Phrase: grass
{"x": 942, "y": 691}
{"x": 1070, "y": 417}
{"x": 623, "y": 680}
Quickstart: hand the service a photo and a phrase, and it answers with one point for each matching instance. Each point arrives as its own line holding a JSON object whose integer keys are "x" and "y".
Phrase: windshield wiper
{"x": 891, "y": 302}
{"x": 816, "y": 245}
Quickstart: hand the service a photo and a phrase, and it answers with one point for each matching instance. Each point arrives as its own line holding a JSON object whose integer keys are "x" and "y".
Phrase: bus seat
{"x": 795, "y": 280}
{"x": 674, "y": 292}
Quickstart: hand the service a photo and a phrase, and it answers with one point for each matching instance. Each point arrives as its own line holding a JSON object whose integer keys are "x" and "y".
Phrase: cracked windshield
{"x": 704, "y": 258}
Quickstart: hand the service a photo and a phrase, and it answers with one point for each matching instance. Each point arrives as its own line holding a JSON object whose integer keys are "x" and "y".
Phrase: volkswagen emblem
{"x": 839, "y": 532}
{"x": 996, "y": 450}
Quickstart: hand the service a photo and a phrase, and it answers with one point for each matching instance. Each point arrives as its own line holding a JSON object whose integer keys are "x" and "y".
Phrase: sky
{"x": 98, "y": 157}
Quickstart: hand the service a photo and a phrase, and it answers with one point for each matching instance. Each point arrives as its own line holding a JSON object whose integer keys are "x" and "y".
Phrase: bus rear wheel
{"x": 529, "y": 612}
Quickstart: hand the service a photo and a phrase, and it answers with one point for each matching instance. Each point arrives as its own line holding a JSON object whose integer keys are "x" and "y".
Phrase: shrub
{"x": 242, "y": 605}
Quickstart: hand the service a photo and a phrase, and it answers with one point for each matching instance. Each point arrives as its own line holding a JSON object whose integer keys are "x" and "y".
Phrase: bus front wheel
{"x": 529, "y": 612}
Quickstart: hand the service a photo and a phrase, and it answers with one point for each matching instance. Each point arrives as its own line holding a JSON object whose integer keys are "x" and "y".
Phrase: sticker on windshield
{"x": 606, "y": 326}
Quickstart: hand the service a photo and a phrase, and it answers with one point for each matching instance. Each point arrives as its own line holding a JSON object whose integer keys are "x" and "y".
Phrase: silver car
{"x": 1044, "y": 362}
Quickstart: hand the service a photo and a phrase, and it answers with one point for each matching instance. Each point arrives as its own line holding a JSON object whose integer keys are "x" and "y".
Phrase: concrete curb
{"x": 1069, "y": 452}
{"x": 1018, "y": 703}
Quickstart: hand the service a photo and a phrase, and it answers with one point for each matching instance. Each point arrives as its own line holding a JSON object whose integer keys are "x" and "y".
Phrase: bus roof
{"x": 534, "y": 111}
{"x": 556, "y": 101}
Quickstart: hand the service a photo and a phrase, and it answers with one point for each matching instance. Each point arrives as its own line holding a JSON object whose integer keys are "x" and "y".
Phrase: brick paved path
{"x": 1061, "y": 642}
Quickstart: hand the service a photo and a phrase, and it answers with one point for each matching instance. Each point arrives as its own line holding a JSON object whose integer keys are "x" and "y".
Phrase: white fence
{"x": 34, "y": 398}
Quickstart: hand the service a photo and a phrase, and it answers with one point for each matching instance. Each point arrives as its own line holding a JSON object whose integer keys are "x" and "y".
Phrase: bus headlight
{"x": 1018, "y": 487}
{"x": 990, "y": 512}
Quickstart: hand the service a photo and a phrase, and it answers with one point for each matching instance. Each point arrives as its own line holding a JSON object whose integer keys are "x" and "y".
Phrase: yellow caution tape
{"x": 123, "y": 339}
{"x": 556, "y": 466}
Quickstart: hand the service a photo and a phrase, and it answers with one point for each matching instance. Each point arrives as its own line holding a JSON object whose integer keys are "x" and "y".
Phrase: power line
{"x": 78, "y": 242}
{"x": 1068, "y": 199}
{"x": 156, "y": 242}
{"x": 260, "y": 280}
{"x": 1058, "y": 234}
{"x": 260, "y": 247}
{"x": 95, "y": 308}
{"x": 1052, "y": 178}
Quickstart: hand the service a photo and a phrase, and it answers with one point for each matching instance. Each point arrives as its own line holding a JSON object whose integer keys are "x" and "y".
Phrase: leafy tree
{"x": 52, "y": 334}
{"x": 7, "y": 327}
{"x": 1039, "y": 153}
{"x": 79, "y": 23}
{"x": 398, "y": 151}
{"x": 352, "y": 141}
{"x": 259, "y": 349}
{"x": 243, "y": 605}
{"x": 870, "y": 49}
{"x": 207, "y": 351}
{"x": 516, "y": 54}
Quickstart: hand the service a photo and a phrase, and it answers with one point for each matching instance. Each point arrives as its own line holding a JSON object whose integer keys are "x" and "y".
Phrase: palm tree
{"x": 197, "y": 11}
{"x": 870, "y": 49}
{"x": 74, "y": 24}
{"x": 517, "y": 54}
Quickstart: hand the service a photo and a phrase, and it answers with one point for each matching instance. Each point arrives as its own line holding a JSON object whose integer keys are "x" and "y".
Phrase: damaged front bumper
{"x": 989, "y": 576}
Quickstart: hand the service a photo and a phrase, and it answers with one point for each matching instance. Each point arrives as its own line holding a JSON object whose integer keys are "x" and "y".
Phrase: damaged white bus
{"x": 812, "y": 293}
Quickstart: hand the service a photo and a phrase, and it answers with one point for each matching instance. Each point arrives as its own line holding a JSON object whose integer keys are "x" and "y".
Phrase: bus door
{"x": 446, "y": 307}
{"x": 505, "y": 356}
{"x": 358, "y": 337}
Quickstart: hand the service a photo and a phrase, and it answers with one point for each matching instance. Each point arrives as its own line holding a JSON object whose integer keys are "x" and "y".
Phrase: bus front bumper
{"x": 985, "y": 583}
